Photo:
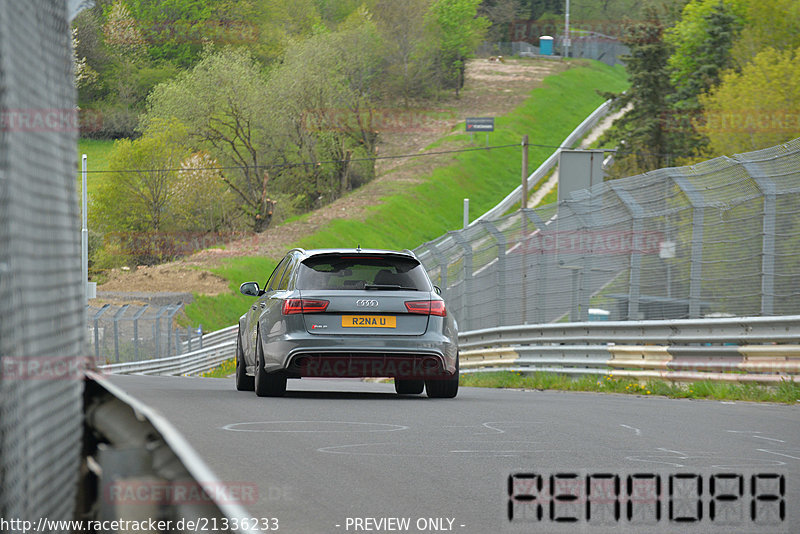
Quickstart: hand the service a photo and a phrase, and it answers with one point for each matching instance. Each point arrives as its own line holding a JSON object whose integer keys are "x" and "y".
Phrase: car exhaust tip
{"x": 430, "y": 364}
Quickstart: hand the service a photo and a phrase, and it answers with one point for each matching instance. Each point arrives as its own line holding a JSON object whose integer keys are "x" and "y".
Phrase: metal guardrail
{"x": 218, "y": 347}
{"x": 738, "y": 349}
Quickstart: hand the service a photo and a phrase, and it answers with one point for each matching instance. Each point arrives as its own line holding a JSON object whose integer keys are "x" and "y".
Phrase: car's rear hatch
{"x": 366, "y": 312}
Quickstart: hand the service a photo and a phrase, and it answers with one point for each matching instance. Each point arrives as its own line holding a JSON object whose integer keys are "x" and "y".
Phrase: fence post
{"x": 634, "y": 279}
{"x": 468, "y": 282}
{"x": 696, "y": 269}
{"x": 170, "y": 314}
{"x": 136, "y": 317}
{"x": 96, "y": 319}
{"x": 157, "y": 329}
{"x": 769, "y": 191}
{"x": 117, "y": 317}
{"x": 501, "y": 269}
{"x": 442, "y": 266}
{"x": 584, "y": 205}
{"x": 541, "y": 272}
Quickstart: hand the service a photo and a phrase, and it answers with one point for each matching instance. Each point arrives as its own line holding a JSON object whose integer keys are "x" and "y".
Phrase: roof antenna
{"x": 358, "y": 248}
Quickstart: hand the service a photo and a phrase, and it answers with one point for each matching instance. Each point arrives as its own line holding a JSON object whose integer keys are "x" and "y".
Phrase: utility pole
{"x": 523, "y": 206}
{"x": 566, "y": 32}
{"x": 84, "y": 233}
{"x": 524, "y": 203}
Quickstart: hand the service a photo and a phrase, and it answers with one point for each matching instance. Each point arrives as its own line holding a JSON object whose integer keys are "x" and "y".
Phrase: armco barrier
{"x": 741, "y": 349}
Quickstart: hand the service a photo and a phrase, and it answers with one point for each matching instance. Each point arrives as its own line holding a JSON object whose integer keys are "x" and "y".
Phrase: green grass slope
{"x": 427, "y": 211}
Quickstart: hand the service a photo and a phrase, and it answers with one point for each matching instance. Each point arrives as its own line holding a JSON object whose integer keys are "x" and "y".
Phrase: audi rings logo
{"x": 367, "y": 303}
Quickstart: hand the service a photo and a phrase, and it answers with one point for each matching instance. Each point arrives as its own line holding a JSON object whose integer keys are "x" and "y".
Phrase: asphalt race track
{"x": 347, "y": 456}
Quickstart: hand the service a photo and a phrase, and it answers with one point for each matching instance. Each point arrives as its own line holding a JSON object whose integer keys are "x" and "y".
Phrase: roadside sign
{"x": 480, "y": 124}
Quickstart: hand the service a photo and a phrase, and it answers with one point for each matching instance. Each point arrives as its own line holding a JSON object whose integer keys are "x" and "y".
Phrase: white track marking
{"x": 388, "y": 427}
{"x": 636, "y": 430}
{"x": 770, "y": 439}
{"x": 779, "y": 454}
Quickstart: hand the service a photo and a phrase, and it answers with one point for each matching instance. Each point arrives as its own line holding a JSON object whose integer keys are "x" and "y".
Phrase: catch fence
{"x": 41, "y": 291}
{"x": 717, "y": 239}
{"x": 129, "y": 333}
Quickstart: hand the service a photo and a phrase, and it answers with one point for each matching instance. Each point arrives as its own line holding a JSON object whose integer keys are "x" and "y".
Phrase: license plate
{"x": 369, "y": 321}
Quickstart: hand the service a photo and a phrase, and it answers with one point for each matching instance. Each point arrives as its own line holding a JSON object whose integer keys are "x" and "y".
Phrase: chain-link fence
{"x": 720, "y": 238}
{"x": 593, "y": 45}
{"x": 589, "y": 45}
{"x": 132, "y": 333}
{"x": 41, "y": 292}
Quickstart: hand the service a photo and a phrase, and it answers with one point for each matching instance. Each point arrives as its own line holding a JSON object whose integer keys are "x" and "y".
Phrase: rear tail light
{"x": 293, "y": 306}
{"x": 427, "y": 307}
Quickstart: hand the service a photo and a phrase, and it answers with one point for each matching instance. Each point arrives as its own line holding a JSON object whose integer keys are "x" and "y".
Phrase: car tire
{"x": 408, "y": 386}
{"x": 443, "y": 388}
{"x": 244, "y": 382}
{"x": 267, "y": 384}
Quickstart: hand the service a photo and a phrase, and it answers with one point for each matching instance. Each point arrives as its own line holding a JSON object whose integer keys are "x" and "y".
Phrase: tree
{"x": 323, "y": 95}
{"x": 755, "y": 108}
{"x": 501, "y": 14}
{"x": 409, "y": 63}
{"x": 458, "y": 32}
{"x": 222, "y": 102}
{"x": 645, "y": 141}
{"x": 702, "y": 42}
{"x": 201, "y": 201}
{"x": 767, "y": 24}
{"x": 137, "y": 196}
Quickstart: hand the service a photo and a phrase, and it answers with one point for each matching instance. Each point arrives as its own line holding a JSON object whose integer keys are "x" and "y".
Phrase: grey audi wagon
{"x": 347, "y": 313}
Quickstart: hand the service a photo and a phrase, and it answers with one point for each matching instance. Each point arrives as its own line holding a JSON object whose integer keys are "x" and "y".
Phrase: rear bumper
{"x": 368, "y": 364}
{"x": 426, "y": 356}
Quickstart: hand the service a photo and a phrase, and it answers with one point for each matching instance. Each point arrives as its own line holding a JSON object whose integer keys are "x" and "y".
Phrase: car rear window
{"x": 340, "y": 272}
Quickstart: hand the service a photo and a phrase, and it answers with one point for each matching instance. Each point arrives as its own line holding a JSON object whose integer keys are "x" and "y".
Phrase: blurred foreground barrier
{"x": 138, "y": 470}
{"x": 739, "y": 349}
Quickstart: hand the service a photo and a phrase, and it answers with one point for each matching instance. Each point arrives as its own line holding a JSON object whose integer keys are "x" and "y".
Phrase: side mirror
{"x": 250, "y": 289}
{"x": 438, "y": 290}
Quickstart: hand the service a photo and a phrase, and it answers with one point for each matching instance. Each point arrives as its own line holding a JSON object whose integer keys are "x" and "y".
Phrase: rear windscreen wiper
{"x": 395, "y": 287}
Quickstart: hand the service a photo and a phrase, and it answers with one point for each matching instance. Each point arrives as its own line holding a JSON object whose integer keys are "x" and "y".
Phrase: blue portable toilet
{"x": 546, "y": 45}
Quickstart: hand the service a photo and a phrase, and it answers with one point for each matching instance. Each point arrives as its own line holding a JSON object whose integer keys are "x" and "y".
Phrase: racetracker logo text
{"x": 592, "y": 242}
{"x": 163, "y": 492}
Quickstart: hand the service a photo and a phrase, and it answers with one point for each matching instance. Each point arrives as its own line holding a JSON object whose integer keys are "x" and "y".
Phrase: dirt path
{"x": 492, "y": 89}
